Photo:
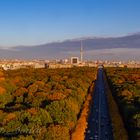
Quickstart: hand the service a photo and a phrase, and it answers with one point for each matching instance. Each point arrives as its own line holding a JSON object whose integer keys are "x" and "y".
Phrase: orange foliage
{"x": 126, "y": 93}
{"x": 58, "y": 132}
{"x": 40, "y": 94}
{"x": 2, "y": 78}
{"x": 79, "y": 133}
{"x": 56, "y": 96}
{"x": 1, "y": 112}
{"x": 1, "y": 74}
{"x": 40, "y": 84}
{"x": 20, "y": 91}
{"x": 120, "y": 81}
{"x": 79, "y": 91}
{"x": 32, "y": 111}
{"x": 135, "y": 77}
{"x": 2, "y": 90}
{"x": 16, "y": 79}
{"x": 68, "y": 91}
{"x": 33, "y": 88}
{"x": 9, "y": 117}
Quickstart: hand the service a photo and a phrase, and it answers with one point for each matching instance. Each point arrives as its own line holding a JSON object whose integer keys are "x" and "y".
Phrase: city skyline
{"x": 29, "y": 22}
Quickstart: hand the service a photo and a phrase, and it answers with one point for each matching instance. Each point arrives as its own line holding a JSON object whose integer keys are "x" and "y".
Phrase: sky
{"x": 32, "y": 22}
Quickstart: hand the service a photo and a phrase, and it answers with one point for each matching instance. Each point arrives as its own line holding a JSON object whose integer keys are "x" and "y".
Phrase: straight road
{"x": 99, "y": 124}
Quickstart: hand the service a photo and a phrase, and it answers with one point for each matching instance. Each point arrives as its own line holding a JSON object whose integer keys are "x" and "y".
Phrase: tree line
{"x": 42, "y": 103}
{"x": 125, "y": 86}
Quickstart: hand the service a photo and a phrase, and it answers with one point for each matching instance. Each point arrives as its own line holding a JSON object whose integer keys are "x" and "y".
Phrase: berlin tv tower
{"x": 81, "y": 52}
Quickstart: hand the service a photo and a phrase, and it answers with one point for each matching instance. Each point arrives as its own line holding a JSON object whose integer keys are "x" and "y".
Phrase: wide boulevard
{"x": 99, "y": 123}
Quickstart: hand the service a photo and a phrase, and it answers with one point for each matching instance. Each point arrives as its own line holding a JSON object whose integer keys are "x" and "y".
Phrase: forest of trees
{"x": 46, "y": 103}
{"x": 125, "y": 86}
{"x": 42, "y": 103}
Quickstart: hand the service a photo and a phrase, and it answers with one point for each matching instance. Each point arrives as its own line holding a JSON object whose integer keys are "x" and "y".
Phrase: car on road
{"x": 91, "y": 138}
{"x": 95, "y": 137}
{"x": 93, "y": 119}
{"x": 88, "y": 131}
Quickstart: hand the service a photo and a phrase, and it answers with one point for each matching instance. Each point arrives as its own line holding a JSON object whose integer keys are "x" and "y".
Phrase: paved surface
{"x": 99, "y": 124}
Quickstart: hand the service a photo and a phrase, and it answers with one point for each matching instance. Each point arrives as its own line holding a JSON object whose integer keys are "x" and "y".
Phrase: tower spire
{"x": 81, "y": 52}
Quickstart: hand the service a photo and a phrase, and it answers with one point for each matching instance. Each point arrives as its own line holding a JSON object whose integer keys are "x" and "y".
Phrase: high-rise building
{"x": 74, "y": 60}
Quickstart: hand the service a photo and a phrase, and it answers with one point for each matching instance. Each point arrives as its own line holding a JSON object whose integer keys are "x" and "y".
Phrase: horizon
{"x": 29, "y": 22}
{"x": 70, "y": 39}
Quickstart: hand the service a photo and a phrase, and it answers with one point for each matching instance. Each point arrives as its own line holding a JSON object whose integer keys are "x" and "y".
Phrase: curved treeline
{"x": 42, "y": 103}
{"x": 125, "y": 86}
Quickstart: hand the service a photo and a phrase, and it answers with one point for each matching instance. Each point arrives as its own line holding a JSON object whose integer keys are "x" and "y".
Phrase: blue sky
{"x": 30, "y": 22}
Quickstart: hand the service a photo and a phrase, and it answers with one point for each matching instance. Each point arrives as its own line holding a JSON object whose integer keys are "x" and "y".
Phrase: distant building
{"x": 74, "y": 60}
{"x": 46, "y": 65}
